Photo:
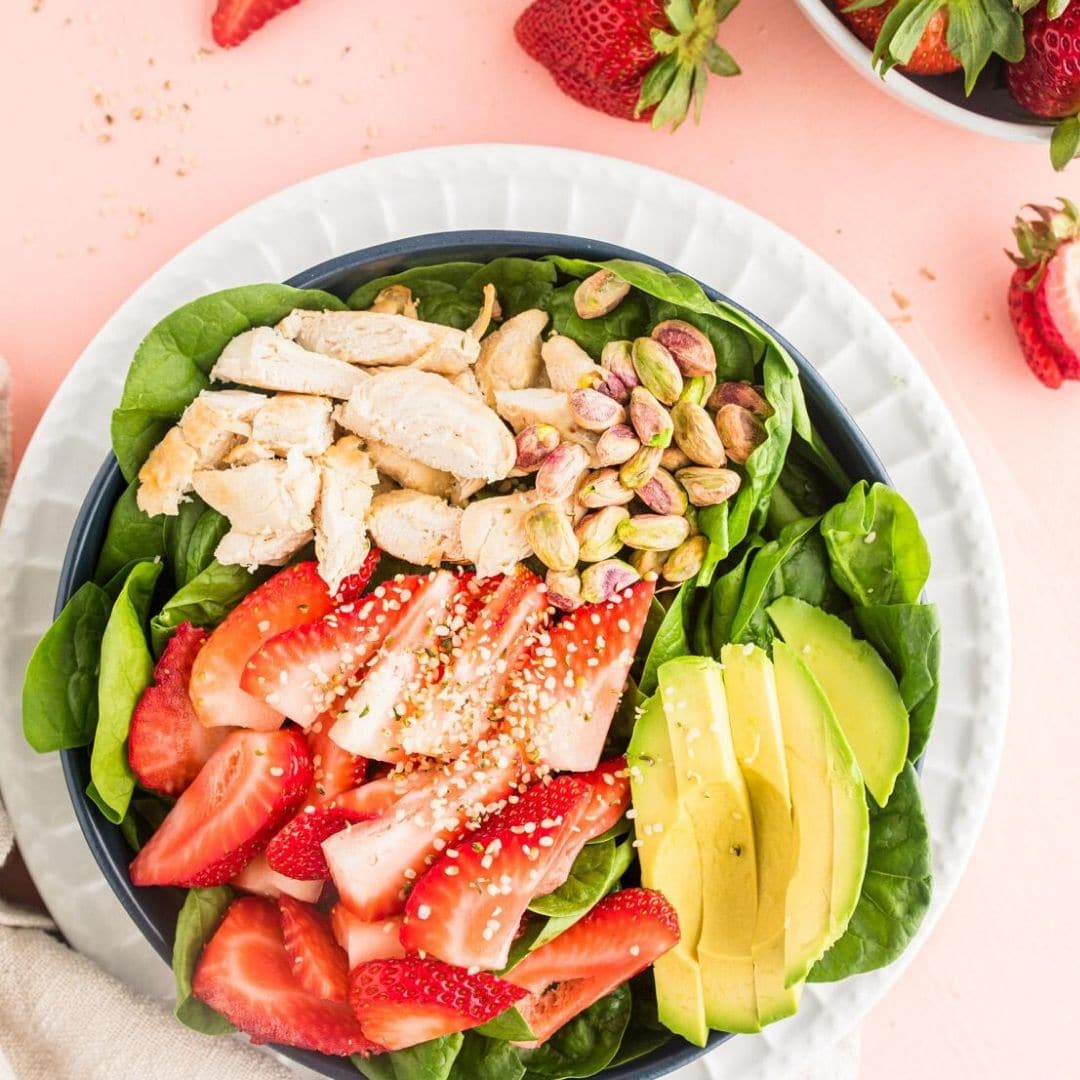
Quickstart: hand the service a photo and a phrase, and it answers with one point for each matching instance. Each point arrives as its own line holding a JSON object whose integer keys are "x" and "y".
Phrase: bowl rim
{"x": 417, "y": 250}
{"x": 898, "y": 85}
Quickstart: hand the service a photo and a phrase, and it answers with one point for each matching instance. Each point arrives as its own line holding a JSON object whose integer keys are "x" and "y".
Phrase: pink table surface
{"x": 126, "y": 136}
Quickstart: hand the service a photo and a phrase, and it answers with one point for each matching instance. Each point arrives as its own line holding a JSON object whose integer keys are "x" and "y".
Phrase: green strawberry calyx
{"x": 1038, "y": 238}
{"x": 688, "y": 54}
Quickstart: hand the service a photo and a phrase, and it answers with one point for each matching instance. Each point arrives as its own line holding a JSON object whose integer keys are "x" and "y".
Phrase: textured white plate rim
{"x": 897, "y": 84}
{"x": 460, "y": 173}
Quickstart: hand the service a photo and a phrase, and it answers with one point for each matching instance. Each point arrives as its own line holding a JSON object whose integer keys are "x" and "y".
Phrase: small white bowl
{"x": 989, "y": 110}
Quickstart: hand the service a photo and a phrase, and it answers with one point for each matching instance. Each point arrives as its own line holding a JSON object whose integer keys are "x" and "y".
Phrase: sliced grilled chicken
{"x": 245, "y": 549}
{"x": 569, "y": 367}
{"x": 348, "y": 482}
{"x": 510, "y": 357}
{"x": 421, "y": 529}
{"x": 493, "y": 532}
{"x": 408, "y": 472}
{"x": 302, "y": 421}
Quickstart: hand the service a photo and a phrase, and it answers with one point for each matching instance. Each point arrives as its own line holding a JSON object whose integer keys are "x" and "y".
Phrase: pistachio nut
{"x": 563, "y": 589}
{"x": 696, "y": 435}
{"x": 395, "y": 300}
{"x": 597, "y": 533}
{"x": 740, "y": 393}
{"x": 686, "y": 560}
{"x": 698, "y": 388}
{"x": 654, "y": 532}
{"x": 561, "y": 472}
{"x": 616, "y": 445}
{"x": 740, "y": 431}
{"x": 534, "y": 443}
{"x": 692, "y": 350}
{"x": 707, "y": 487}
{"x": 651, "y": 420}
{"x": 657, "y": 370}
{"x": 602, "y": 580}
{"x": 662, "y": 494}
{"x": 611, "y": 385}
{"x": 641, "y": 468}
{"x": 551, "y": 536}
{"x": 617, "y": 357}
{"x": 648, "y": 563}
{"x": 599, "y": 294}
{"x": 674, "y": 459}
{"x": 595, "y": 411}
{"x": 603, "y": 488}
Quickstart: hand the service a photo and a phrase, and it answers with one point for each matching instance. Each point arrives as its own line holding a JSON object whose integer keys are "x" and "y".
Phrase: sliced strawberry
{"x": 258, "y": 878}
{"x": 409, "y": 658}
{"x": 1037, "y": 351}
{"x": 320, "y": 964}
{"x": 247, "y": 976}
{"x": 1058, "y": 302}
{"x": 251, "y": 785}
{"x": 467, "y": 907}
{"x": 563, "y": 700}
{"x": 371, "y": 799}
{"x": 303, "y": 671}
{"x": 236, "y": 20}
{"x": 404, "y": 1002}
{"x": 297, "y": 852}
{"x": 167, "y": 746}
{"x": 365, "y": 941}
{"x": 336, "y": 770}
{"x": 352, "y": 587}
{"x": 373, "y": 863}
{"x": 453, "y": 713}
{"x": 622, "y": 935}
{"x": 291, "y": 598}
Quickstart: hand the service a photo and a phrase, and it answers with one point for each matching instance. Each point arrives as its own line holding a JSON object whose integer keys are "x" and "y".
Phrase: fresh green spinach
{"x": 713, "y": 523}
{"x": 486, "y": 1059}
{"x": 629, "y": 320}
{"x": 131, "y": 537}
{"x": 200, "y": 916}
{"x": 510, "y": 1026}
{"x": 191, "y": 537}
{"x": 726, "y": 592}
{"x": 644, "y": 1032}
{"x": 433, "y": 1060}
{"x": 670, "y": 640}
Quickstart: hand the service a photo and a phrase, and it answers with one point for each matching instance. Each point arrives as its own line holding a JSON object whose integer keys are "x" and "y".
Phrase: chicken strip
{"x": 408, "y": 472}
{"x": 299, "y": 421}
{"x": 348, "y": 482}
{"x": 421, "y": 529}
{"x": 243, "y": 549}
{"x": 424, "y": 417}
{"x": 569, "y": 366}
{"x": 510, "y": 357}
{"x": 520, "y": 408}
{"x": 493, "y": 532}
{"x": 263, "y": 358}
{"x": 382, "y": 339}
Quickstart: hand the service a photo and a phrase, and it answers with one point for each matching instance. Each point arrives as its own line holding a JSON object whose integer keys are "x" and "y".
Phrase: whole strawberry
{"x": 931, "y": 56}
{"x": 635, "y": 59}
{"x": 1044, "y": 292}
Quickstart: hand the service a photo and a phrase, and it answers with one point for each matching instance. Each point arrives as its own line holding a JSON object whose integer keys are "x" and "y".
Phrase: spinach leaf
{"x": 520, "y": 284}
{"x": 878, "y": 552}
{"x": 896, "y": 889}
{"x": 670, "y": 640}
{"x": 486, "y": 1059}
{"x": 629, "y": 320}
{"x": 509, "y": 1026}
{"x": 205, "y": 600}
{"x": 172, "y": 365}
{"x": 908, "y": 636}
{"x": 143, "y": 818}
{"x": 59, "y": 695}
{"x": 432, "y": 1060}
{"x": 191, "y": 537}
{"x": 585, "y": 1045}
{"x": 200, "y": 916}
{"x": 432, "y": 288}
{"x": 126, "y": 670}
{"x": 699, "y": 623}
{"x": 713, "y": 523}
{"x": 644, "y": 1033}
{"x": 131, "y": 537}
{"x": 726, "y": 594}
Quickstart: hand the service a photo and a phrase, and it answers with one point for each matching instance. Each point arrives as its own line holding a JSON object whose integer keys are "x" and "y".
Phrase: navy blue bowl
{"x": 154, "y": 910}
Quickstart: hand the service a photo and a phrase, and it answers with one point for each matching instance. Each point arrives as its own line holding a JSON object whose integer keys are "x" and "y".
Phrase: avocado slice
{"x": 861, "y": 689}
{"x": 713, "y": 795}
{"x": 669, "y": 863}
{"x": 754, "y": 711}
{"x": 830, "y": 815}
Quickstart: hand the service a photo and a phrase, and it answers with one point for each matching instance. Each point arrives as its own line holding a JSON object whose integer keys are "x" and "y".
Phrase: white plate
{"x": 900, "y": 86}
{"x": 557, "y": 191}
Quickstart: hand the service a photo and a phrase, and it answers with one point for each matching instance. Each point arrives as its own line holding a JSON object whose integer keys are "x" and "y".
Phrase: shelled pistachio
{"x": 561, "y": 472}
{"x": 601, "y": 580}
{"x": 648, "y": 563}
{"x": 650, "y": 420}
{"x": 617, "y": 445}
{"x": 595, "y": 411}
{"x": 600, "y": 294}
{"x": 692, "y": 350}
{"x": 707, "y": 487}
{"x": 657, "y": 370}
{"x": 534, "y": 443}
{"x": 654, "y": 532}
{"x": 551, "y": 536}
{"x": 597, "y": 533}
{"x": 617, "y": 357}
{"x": 603, "y": 488}
{"x": 686, "y": 560}
{"x": 740, "y": 431}
{"x": 564, "y": 589}
{"x": 663, "y": 494}
{"x": 696, "y": 435}
{"x": 641, "y": 468}
{"x": 741, "y": 393}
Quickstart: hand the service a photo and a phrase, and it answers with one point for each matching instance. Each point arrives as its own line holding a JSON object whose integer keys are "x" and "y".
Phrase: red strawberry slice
{"x": 335, "y": 769}
{"x": 247, "y": 976}
{"x": 372, "y": 798}
{"x": 251, "y": 785}
{"x": 1040, "y": 355}
{"x": 167, "y": 746}
{"x": 236, "y": 20}
{"x": 258, "y": 878}
{"x": 1058, "y": 302}
{"x": 374, "y": 862}
{"x": 404, "y": 1002}
{"x": 291, "y": 598}
{"x": 352, "y": 587}
{"x": 563, "y": 700}
{"x": 303, "y": 671}
{"x": 622, "y": 935}
{"x": 365, "y": 941}
{"x": 467, "y": 907}
{"x": 297, "y": 852}
{"x": 320, "y": 964}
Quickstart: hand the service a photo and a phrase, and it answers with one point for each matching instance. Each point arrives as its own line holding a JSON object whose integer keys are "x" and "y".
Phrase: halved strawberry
{"x": 621, "y": 936}
{"x": 404, "y": 1002}
{"x": 562, "y": 701}
{"x": 291, "y": 598}
{"x": 352, "y": 587}
{"x": 235, "y": 20}
{"x": 371, "y": 799}
{"x": 467, "y": 907}
{"x": 258, "y": 878}
{"x": 251, "y": 785}
{"x": 167, "y": 746}
{"x": 374, "y": 862}
{"x": 365, "y": 941}
{"x": 303, "y": 671}
{"x": 319, "y": 963}
{"x": 297, "y": 852}
{"x": 246, "y": 975}
{"x": 336, "y": 770}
